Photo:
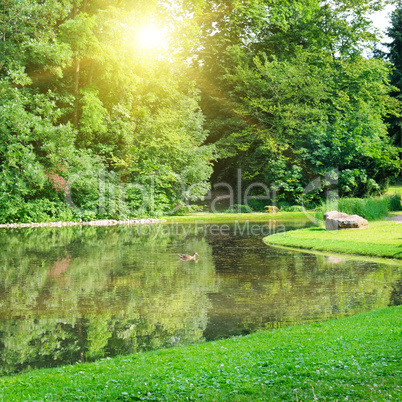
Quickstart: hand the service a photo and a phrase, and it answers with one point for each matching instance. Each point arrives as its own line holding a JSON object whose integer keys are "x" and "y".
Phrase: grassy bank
{"x": 381, "y": 239}
{"x": 356, "y": 358}
{"x": 225, "y": 217}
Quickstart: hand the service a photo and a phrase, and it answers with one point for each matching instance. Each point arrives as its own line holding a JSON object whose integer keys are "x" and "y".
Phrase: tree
{"x": 293, "y": 77}
{"x": 94, "y": 119}
{"x": 394, "y": 32}
{"x": 33, "y": 143}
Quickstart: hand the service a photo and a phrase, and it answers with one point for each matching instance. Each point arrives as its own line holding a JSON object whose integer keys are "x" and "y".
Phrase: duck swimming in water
{"x": 186, "y": 257}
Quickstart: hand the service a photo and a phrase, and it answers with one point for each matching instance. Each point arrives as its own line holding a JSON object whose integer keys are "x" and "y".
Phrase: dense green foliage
{"x": 356, "y": 358}
{"x": 93, "y": 124}
{"x": 394, "y": 55}
{"x": 89, "y": 118}
{"x": 289, "y": 96}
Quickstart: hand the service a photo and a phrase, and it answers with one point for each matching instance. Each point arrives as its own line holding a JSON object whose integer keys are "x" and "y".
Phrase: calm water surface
{"x": 81, "y": 294}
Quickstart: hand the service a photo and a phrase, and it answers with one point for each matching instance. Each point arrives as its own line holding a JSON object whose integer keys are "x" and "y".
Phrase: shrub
{"x": 256, "y": 205}
{"x": 238, "y": 208}
{"x": 294, "y": 208}
{"x": 369, "y": 208}
{"x": 45, "y": 210}
{"x": 283, "y": 205}
{"x": 183, "y": 209}
{"x": 39, "y": 210}
{"x": 394, "y": 202}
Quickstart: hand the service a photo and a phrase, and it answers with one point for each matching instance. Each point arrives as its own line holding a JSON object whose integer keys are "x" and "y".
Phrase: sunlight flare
{"x": 150, "y": 37}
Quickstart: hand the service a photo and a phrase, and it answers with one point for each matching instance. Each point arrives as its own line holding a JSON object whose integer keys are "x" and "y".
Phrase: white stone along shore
{"x": 101, "y": 222}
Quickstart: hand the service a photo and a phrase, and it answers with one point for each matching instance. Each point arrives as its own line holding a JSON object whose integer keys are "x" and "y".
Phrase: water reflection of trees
{"x": 74, "y": 294}
{"x": 270, "y": 288}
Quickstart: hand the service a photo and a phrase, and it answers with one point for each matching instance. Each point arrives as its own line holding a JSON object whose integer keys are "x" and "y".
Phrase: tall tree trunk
{"x": 74, "y": 9}
{"x": 91, "y": 72}
{"x": 77, "y": 69}
{"x": 76, "y": 90}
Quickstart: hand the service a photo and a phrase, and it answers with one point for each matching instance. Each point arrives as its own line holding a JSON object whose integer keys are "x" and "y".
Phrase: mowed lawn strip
{"x": 209, "y": 217}
{"x": 381, "y": 239}
{"x": 355, "y": 358}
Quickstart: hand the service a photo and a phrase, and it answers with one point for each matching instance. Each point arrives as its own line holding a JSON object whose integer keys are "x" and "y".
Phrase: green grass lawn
{"x": 355, "y": 358}
{"x": 224, "y": 217}
{"x": 394, "y": 190}
{"x": 381, "y": 239}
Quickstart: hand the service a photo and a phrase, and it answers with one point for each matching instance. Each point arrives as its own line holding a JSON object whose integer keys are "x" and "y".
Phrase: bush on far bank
{"x": 371, "y": 208}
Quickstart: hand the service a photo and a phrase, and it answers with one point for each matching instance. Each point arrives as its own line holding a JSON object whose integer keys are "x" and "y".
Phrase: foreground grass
{"x": 356, "y": 358}
{"x": 381, "y": 239}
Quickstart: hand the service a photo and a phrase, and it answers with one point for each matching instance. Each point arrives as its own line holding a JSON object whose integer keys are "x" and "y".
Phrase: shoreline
{"x": 202, "y": 217}
{"x": 379, "y": 240}
{"x": 99, "y": 222}
{"x": 338, "y": 254}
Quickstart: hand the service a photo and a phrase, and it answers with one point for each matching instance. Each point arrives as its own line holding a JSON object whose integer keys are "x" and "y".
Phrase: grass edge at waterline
{"x": 355, "y": 357}
{"x": 379, "y": 240}
{"x": 341, "y": 256}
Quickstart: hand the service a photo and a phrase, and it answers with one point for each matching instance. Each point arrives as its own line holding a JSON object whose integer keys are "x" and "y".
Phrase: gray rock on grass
{"x": 335, "y": 220}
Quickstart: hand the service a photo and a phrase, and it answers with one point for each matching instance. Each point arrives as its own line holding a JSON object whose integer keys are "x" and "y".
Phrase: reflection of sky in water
{"x": 73, "y": 294}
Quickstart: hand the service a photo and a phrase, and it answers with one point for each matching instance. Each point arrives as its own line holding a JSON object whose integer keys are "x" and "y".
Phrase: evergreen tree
{"x": 394, "y": 55}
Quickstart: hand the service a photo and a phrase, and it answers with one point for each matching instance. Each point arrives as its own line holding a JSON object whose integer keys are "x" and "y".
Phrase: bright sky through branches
{"x": 150, "y": 37}
{"x": 381, "y": 19}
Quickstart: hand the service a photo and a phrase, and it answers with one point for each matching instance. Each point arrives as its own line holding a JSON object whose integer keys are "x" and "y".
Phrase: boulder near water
{"x": 335, "y": 220}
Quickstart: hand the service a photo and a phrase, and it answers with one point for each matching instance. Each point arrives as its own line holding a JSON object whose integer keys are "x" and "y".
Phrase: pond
{"x": 85, "y": 293}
